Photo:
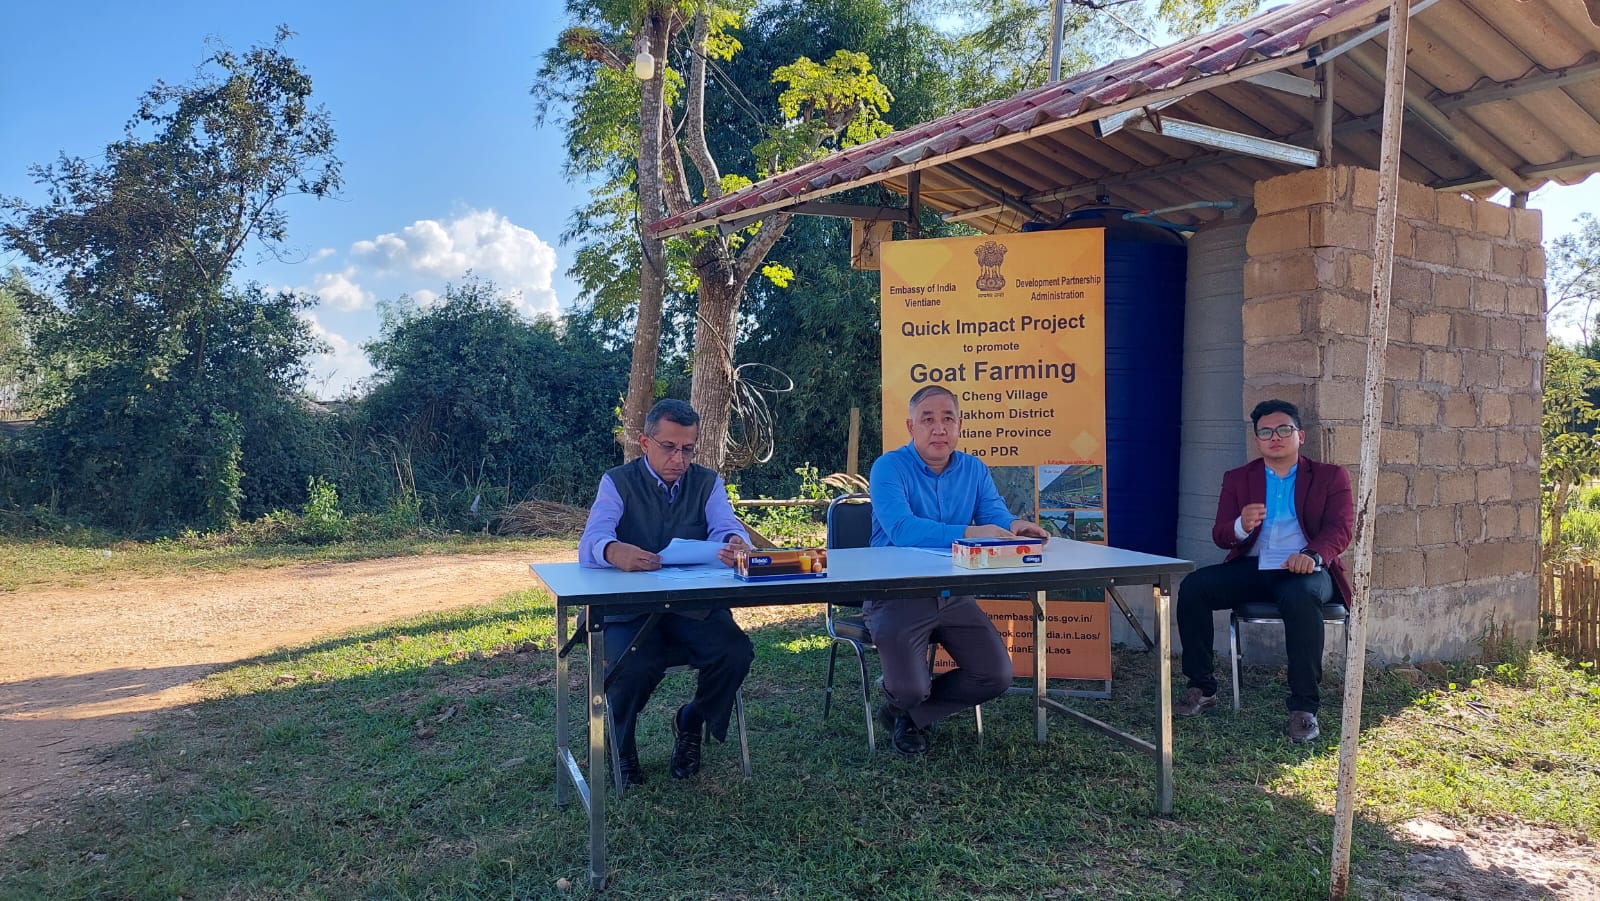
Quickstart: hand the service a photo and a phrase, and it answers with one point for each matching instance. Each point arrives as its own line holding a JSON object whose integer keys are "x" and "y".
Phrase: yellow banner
{"x": 1077, "y": 637}
{"x": 1014, "y": 325}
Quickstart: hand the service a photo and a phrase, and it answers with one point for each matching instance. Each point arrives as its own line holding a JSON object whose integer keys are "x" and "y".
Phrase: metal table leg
{"x": 563, "y": 736}
{"x": 1164, "y": 689}
{"x": 1040, "y": 714}
{"x": 597, "y": 753}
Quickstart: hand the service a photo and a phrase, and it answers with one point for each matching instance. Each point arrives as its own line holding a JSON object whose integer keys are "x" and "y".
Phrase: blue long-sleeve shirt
{"x": 912, "y": 506}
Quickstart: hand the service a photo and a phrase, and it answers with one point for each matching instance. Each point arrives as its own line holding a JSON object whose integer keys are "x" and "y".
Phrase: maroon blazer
{"x": 1322, "y": 502}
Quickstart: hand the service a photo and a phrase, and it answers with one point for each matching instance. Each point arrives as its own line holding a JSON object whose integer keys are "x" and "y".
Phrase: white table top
{"x": 858, "y": 572}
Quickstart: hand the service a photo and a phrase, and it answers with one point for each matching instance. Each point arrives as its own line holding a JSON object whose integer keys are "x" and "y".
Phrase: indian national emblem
{"x": 990, "y": 255}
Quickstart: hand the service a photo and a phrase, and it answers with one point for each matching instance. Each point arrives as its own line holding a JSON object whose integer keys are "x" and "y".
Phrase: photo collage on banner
{"x": 1014, "y": 326}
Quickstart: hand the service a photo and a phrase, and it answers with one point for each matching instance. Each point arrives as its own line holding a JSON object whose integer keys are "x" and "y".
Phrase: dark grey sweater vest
{"x": 649, "y": 522}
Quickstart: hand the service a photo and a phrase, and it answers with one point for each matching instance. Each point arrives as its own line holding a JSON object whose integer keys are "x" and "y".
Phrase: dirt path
{"x": 82, "y": 669}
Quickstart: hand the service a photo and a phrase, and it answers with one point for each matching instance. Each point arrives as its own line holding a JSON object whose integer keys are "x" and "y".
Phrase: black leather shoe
{"x": 908, "y": 739}
{"x": 685, "y": 748}
{"x": 632, "y": 772}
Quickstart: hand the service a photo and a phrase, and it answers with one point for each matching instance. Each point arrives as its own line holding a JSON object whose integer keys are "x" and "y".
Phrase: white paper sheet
{"x": 683, "y": 551}
{"x": 937, "y": 552}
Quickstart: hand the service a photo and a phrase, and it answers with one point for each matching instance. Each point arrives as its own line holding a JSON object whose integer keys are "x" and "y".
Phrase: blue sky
{"x": 444, "y": 169}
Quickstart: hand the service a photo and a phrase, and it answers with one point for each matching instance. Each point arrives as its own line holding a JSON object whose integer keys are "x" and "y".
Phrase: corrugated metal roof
{"x": 1499, "y": 92}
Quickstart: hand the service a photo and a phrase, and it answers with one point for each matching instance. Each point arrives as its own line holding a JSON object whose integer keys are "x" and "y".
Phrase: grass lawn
{"x": 416, "y": 761}
{"x": 38, "y": 563}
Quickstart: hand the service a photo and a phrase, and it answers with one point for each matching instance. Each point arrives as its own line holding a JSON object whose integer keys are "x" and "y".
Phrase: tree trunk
{"x": 1557, "y": 507}
{"x": 652, "y": 37}
{"x": 711, "y": 391}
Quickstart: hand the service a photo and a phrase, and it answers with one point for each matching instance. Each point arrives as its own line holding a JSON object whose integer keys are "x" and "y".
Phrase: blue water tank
{"x": 1145, "y": 277}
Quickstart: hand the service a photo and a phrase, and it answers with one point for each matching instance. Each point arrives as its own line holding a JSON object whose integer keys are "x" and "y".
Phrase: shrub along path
{"x": 82, "y": 669}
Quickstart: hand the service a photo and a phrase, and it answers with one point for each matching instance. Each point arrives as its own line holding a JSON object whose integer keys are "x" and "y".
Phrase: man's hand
{"x": 1300, "y": 564}
{"x": 1251, "y": 516}
{"x": 986, "y": 532}
{"x": 1028, "y": 529}
{"x": 729, "y": 552}
{"x": 630, "y": 558}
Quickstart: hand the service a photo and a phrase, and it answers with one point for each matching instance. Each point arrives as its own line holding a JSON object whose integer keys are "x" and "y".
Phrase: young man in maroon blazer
{"x": 1284, "y": 520}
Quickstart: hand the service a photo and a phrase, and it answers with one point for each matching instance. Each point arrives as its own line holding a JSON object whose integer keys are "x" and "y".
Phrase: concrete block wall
{"x": 1458, "y": 493}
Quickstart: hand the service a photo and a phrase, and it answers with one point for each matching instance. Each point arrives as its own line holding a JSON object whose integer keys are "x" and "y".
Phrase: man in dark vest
{"x": 640, "y": 507}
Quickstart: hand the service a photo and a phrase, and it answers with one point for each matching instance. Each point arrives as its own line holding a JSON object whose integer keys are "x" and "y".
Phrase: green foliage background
{"x": 170, "y": 398}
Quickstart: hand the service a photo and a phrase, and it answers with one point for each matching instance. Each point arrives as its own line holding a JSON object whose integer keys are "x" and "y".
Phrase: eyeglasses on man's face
{"x": 673, "y": 450}
{"x": 1282, "y": 431}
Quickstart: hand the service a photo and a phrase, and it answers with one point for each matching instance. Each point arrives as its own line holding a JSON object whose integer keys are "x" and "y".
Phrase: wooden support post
{"x": 1327, "y": 77}
{"x": 914, "y": 201}
{"x": 1394, "y": 93}
{"x": 852, "y": 461}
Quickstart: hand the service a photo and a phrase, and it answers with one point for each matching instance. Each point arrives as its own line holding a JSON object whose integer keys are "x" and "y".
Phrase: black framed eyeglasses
{"x": 672, "y": 450}
{"x": 1282, "y": 431}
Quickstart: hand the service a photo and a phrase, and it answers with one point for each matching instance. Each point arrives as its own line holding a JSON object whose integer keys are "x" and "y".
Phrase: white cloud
{"x": 337, "y": 371}
{"x": 321, "y": 255}
{"x": 483, "y": 242}
{"x": 340, "y": 291}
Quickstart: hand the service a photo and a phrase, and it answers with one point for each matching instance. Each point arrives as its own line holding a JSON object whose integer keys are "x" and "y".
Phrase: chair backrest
{"x": 850, "y": 521}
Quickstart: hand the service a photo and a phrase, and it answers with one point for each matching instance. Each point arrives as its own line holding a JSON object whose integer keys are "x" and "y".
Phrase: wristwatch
{"x": 1316, "y": 558}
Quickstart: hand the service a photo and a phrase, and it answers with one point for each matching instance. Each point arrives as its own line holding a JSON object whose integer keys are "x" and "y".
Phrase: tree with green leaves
{"x": 827, "y": 104}
{"x": 1571, "y": 454}
{"x": 16, "y": 345}
{"x": 481, "y": 407}
{"x": 1572, "y": 286}
{"x": 165, "y": 374}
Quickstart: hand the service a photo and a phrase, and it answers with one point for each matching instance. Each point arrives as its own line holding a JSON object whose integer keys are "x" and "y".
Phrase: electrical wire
{"x": 752, "y": 428}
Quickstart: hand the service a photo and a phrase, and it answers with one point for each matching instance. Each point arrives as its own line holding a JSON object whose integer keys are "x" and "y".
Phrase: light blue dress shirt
{"x": 1281, "y": 537}
{"x": 912, "y": 506}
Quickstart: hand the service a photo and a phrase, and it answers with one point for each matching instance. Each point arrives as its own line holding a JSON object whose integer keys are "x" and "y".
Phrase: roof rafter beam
{"x": 1469, "y": 146}
{"x": 1110, "y": 125}
{"x": 1121, "y": 181}
{"x": 992, "y": 209}
{"x": 1222, "y": 139}
{"x": 1361, "y": 37}
{"x": 1014, "y": 204}
{"x": 1544, "y": 81}
{"x": 1531, "y": 173}
{"x": 1288, "y": 84}
{"x": 823, "y": 208}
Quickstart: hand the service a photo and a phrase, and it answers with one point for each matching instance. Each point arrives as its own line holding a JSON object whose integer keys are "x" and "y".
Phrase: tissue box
{"x": 992, "y": 553}
{"x": 774, "y": 563}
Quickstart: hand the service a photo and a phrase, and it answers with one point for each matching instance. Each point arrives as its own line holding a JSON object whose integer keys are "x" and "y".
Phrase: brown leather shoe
{"x": 1194, "y": 702}
{"x": 1303, "y": 726}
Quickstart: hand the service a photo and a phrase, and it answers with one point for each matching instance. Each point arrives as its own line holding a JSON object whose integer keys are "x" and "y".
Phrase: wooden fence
{"x": 1569, "y": 610}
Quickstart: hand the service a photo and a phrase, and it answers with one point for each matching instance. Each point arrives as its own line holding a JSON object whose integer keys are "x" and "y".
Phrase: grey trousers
{"x": 902, "y": 629}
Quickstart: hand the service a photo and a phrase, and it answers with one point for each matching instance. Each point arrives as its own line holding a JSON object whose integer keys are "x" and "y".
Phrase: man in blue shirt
{"x": 640, "y": 507}
{"x": 928, "y": 494}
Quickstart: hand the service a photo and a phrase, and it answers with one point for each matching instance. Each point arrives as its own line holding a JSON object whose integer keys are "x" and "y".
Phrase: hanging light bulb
{"x": 644, "y": 66}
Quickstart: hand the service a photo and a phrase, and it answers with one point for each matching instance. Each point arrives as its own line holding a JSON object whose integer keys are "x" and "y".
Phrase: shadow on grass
{"x": 417, "y": 761}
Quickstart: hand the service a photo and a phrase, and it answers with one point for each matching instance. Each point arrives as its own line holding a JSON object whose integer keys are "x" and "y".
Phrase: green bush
{"x": 791, "y": 526}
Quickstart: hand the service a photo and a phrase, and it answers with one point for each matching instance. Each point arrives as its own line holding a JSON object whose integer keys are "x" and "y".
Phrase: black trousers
{"x": 716, "y": 647}
{"x": 902, "y": 628}
{"x": 1299, "y": 598}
